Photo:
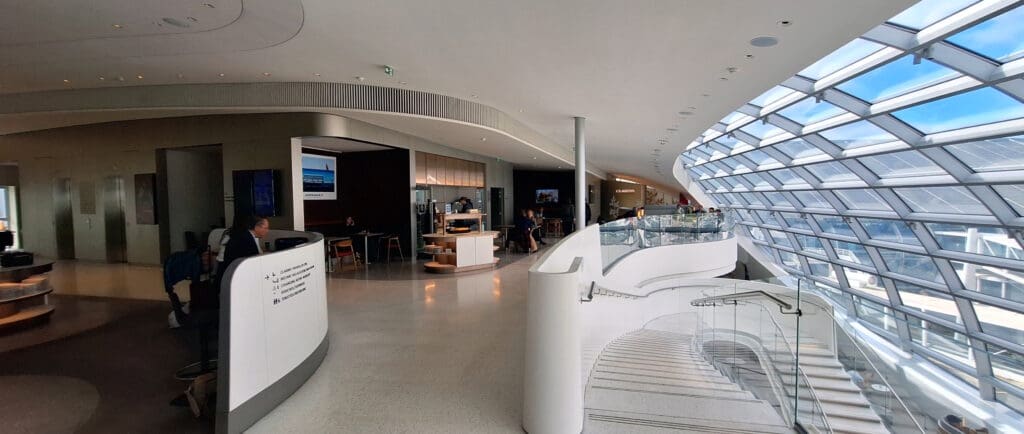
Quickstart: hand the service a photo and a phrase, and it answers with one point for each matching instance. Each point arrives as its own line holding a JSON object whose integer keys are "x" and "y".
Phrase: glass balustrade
{"x": 624, "y": 236}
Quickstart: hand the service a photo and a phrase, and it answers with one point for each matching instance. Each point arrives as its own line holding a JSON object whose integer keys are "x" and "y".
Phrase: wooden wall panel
{"x": 421, "y": 168}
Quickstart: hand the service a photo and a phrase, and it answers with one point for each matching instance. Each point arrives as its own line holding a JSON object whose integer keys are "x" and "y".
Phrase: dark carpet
{"x": 130, "y": 361}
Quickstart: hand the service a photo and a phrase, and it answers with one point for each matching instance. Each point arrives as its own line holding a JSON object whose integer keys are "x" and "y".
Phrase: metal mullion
{"x": 1007, "y": 70}
{"x": 909, "y": 311}
{"x": 994, "y": 202}
{"x": 847, "y": 102}
{"x": 980, "y": 297}
{"x": 898, "y": 128}
{"x": 893, "y": 36}
{"x": 797, "y": 83}
{"x": 888, "y": 245}
{"x": 982, "y": 363}
{"x": 807, "y": 176}
{"x": 860, "y": 170}
{"x": 1011, "y": 389}
{"x": 945, "y": 359}
{"x": 825, "y": 145}
{"x": 750, "y": 110}
{"x": 947, "y": 162}
{"x": 983, "y": 260}
{"x": 1014, "y": 88}
{"x": 786, "y": 124}
{"x": 963, "y": 61}
{"x": 777, "y": 155}
{"x": 937, "y": 287}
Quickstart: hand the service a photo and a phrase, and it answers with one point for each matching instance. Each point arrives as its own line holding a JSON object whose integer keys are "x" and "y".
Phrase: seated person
{"x": 524, "y": 231}
{"x": 538, "y": 225}
{"x": 242, "y": 242}
{"x": 350, "y": 227}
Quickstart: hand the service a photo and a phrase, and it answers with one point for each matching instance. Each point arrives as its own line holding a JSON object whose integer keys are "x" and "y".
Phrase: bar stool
{"x": 341, "y": 249}
{"x": 393, "y": 242}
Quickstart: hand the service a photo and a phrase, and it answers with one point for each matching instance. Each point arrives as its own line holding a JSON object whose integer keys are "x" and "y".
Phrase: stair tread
{"x": 654, "y": 387}
{"x": 666, "y": 380}
{"x": 606, "y": 421}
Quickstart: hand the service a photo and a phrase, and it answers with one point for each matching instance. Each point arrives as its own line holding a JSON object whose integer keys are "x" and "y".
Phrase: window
{"x": 928, "y": 12}
{"x": 858, "y": 134}
{"x": 774, "y": 94}
{"x": 852, "y": 252}
{"x": 979, "y": 240}
{"x": 795, "y": 221}
{"x": 834, "y": 225}
{"x": 863, "y": 200}
{"x": 841, "y": 58}
{"x": 1000, "y": 38}
{"x": 991, "y": 155}
{"x": 810, "y": 244}
{"x": 911, "y": 265}
{"x": 900, "y": 77}
{"x": 831, "y": 171}
{"x": 977, "y": 107}
{"x": 929, "y": 302}
{"x": 809, "y": 111}
{"x": 947, "y": 200}
{"x": 893, "y": 231}
{"x": 812, "y": 199}
{"x": 762, "y": 130}
{"x": 901, "y": 165}
{"x": 1001, "y": 323}
{"x": 798, "y": 148}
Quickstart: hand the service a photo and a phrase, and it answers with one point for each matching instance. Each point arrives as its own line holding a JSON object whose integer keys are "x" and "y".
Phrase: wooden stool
{"x": 342, "y": 248}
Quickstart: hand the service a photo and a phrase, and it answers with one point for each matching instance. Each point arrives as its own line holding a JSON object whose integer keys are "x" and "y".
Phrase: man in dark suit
{"x": 243, "y": 242}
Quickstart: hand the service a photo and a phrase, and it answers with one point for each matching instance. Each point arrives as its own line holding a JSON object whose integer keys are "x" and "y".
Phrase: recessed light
{"x": 749, "y": 56}
{"x": 764, "y": 41}
{"x": 361, "y": 78}
{"x": 209, "y": 5}
{"x": 66, "y": 81}
{"x": 533, "y": 157}
{"x": 220, "y": 75}
{"x": 266, "y": 74}
{"x": 723, "y": 78}
{"x": 402, "y": 82}
{"x": 140, "y": 77}
{"x": 102, "y": 78}
{"x": 117, "y": 26}
{"x": 785, "y": 23}
{"x": 120, "y": 78}
{"x": 316, "y": 74}
{"x": 705, "y": 95}
{"x": 483, "y": 139}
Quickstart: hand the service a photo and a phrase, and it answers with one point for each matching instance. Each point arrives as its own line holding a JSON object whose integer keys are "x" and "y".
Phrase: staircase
{"x": 847, "y": 410}
{"x": 652, "y": 381}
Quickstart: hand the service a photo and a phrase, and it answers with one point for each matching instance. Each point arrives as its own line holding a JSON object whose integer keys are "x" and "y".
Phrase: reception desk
{"x": 23, "y": 294}
{"x": 273, "y": 329}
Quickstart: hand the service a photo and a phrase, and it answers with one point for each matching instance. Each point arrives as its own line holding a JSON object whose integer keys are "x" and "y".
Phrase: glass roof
{"x": 1000, "y": 38}
{"x": 897, "y": 78}
{"x": 920, "y": 194}
{"x": 928, "y": 12}
{"x": 841, "y": 58}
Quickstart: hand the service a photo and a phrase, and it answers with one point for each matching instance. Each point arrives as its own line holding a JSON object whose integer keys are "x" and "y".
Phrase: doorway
{"x": 63, "y": 223}
{"x": 190, "y": 199}
{"x": 497, "y": 206}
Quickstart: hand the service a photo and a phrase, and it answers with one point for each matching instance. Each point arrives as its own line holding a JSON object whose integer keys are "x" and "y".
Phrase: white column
{"x": 581, "y": 174}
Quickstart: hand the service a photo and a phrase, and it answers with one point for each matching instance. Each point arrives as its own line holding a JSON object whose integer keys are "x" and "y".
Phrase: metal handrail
{"x": 726, "y": 298}
{"x": 874, "y": 368}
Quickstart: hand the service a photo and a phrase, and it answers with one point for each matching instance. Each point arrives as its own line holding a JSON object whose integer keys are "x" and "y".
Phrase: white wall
{"x": 196, "y": 194}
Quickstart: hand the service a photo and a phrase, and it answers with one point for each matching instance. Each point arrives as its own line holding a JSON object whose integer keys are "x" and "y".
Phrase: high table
{"x": 366, "y": 243}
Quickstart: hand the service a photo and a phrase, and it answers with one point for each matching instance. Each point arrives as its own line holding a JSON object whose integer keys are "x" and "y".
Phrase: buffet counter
{"x": 454, "y": 253}
{"x": 23, "y": 294}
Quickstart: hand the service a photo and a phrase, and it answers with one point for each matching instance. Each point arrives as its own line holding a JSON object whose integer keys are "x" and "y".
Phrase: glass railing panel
{"x": 624, "y": 236}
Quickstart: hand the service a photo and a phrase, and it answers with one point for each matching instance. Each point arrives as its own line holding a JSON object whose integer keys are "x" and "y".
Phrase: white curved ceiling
{"x": 629, "y": 67}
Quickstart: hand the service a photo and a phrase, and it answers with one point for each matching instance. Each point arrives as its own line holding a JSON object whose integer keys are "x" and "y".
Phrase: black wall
{"x": 373, "y": 188}
{"x": 525, "y": 184}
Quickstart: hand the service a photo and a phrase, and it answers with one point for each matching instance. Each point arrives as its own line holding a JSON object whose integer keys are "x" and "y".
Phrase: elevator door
{"x": 113, "y": 219}
{"x": 63, "y": 223}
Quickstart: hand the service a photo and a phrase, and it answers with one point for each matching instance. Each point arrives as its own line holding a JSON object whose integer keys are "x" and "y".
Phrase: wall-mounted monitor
{"x": 318, "y": 177}
{"x": 547, "y": 195}
{"x": 257, "y": 192}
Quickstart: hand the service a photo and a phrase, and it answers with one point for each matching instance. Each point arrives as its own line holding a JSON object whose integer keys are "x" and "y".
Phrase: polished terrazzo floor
{"x": 439, "y": 354}
{"x": 410, "y": 352}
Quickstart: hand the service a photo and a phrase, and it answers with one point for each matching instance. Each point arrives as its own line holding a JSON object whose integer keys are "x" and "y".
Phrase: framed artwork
{"x": 145, "y": 199}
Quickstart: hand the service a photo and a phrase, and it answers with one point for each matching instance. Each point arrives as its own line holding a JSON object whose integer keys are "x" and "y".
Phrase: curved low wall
{"x": 273, "y": 330}
{"x": 693, "y": 260}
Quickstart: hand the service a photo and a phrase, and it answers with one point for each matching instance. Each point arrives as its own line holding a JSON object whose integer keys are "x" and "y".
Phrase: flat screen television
{"x": 257, "y": 192}
{"x": 318, "y": 177}
{"x": 547, "y": 195}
